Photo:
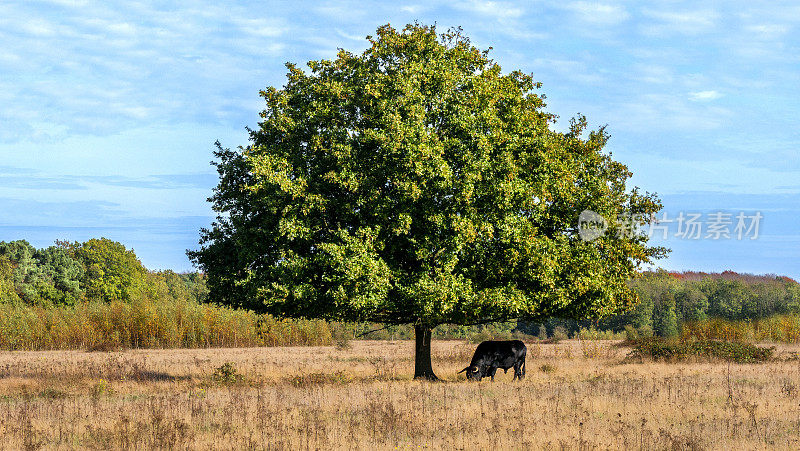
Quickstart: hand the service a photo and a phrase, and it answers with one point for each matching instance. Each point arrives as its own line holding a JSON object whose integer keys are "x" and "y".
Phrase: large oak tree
{"x": 417, "y": 183}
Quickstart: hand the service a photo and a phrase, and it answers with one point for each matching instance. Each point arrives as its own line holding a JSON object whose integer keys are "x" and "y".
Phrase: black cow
{"x": 491, "y": 355}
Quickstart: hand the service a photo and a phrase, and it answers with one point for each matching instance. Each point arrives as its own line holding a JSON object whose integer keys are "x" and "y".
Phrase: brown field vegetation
{"x": 577, "y": 395}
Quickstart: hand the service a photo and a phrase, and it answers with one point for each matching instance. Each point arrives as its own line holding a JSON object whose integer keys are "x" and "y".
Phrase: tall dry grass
{"x": 143, "y": 323}
{"x": 577, "y": 395}
{"x": 182, "y": 323}
{"x": 778, "y": 328}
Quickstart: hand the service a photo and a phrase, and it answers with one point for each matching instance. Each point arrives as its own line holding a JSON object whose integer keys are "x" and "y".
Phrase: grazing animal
{"x": 491, "y": 355}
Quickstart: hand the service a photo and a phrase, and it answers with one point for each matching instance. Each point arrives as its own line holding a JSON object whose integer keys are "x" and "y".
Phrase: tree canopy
{"x": 48, "y": 275}
{"x": 112, "y": 271}
{"x": 98, "y": 269}
{"x": 416, "y": 182}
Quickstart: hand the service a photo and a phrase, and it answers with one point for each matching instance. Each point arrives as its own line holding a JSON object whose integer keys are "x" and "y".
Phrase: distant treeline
{"x": 671, "y": 301}
{"x": 96, "y": 270}
{"x": 98, "y": 295}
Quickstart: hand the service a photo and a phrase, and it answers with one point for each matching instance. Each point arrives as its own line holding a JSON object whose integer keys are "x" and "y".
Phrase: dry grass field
{"x": 577, "y": 395}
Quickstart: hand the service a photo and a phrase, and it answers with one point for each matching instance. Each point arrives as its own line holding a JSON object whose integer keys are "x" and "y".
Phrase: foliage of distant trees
{"x": 98, "y": 293}
{"x": 96, "y": 270}
{"x": 670, "y": 299}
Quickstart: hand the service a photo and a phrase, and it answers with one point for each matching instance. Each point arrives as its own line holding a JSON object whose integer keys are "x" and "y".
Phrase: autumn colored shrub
{"x": 679, "y": 350}
{"x": 147, "y": 323}
{"x": 776, "y": 328}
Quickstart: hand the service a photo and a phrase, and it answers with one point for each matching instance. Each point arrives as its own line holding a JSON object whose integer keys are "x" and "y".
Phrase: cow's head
{"x": 473, "y": 373}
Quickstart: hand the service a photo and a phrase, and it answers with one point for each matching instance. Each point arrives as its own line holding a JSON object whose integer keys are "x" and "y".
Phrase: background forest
{"x": 97, "y": 295}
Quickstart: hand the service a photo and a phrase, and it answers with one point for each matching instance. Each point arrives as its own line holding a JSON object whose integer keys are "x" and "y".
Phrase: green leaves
{"x": 39, "y": 276}
{"x": 112, "y": 271}
{"x": 414, "y": 182}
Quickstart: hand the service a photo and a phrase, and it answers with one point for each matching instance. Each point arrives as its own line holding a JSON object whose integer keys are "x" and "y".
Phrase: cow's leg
{"x": 517, "y": 371}
{"x": 492, "y": 370}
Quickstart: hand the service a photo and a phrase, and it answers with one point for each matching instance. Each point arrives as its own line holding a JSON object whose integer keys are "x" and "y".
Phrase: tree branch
{"x": 376, "y": 330}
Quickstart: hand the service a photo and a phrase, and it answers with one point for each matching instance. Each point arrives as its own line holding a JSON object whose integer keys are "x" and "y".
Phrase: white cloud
{"x": 94, "y": 69}
{"x": 599, "y": 13}
{"x": 413, "y": 9}
{"x": 768, "y": 30}
{"x": 702, "y": 96}
{"x": 352, "y": 37}
{"x": 259, "y": 27}
{"x": 651, "y": 73}
{"x": 568, "y": 69}
{"x": 496, "y": 10}
{"x": 523, "y": 34}
{"x": 38, "y": 27}
{"x": 68, "y": 3}
{"x": 109, "y": 27}
{"x": 667, "y": 112}
{"x": 343, "y": 12}
{"x": 9, "y": 57}
{"x": 685, "y": 22}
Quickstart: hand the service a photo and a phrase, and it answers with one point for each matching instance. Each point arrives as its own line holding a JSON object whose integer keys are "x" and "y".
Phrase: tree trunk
{"x": 422, "y": 356}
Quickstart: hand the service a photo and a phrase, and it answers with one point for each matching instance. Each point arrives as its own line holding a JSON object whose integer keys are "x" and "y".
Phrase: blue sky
{"x": 109, "y": 110}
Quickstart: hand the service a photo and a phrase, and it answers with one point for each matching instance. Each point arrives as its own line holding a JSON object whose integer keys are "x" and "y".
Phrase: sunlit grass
{"x": 576, "y": 395}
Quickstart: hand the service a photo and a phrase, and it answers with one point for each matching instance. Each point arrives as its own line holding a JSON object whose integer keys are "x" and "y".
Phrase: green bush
{"x": 542, "y": 332}
{"x": 479, "y": 336}
{"x": 559, "y": 333}
{"x": 226, "y": 374}
{"x": 341, "y": 335}
{"x": 677, "y": 350}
